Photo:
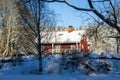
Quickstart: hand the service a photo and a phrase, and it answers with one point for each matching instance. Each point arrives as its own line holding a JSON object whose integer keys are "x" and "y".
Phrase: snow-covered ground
{"x": 52, "y": 69}
{"x": 60, "y": 77}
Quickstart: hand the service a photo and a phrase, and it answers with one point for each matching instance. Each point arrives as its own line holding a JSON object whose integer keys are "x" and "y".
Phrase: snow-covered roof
{"x": 62, "y": 36}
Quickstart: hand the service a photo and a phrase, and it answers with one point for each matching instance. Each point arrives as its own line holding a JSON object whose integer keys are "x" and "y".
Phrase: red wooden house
{"x": 62, "y": 41}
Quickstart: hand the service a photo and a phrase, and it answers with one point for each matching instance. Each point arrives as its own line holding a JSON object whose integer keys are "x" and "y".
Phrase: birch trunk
{"x": 10, "y": 24}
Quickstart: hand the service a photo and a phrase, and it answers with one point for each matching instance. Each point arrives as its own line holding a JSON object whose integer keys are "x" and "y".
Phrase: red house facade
{"x": 63, "y": 41}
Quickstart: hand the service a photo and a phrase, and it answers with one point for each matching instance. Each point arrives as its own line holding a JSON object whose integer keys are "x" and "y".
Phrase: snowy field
{"x": 27, "y": 69}
{"x": 60, "y": 77}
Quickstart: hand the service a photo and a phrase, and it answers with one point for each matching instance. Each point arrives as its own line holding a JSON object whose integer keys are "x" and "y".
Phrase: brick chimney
{"x": 70, "y": 28}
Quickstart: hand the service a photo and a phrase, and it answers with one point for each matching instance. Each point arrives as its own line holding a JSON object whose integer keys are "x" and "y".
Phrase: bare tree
{"x": 8, "y": 13}
{"x": 30, "y": 12}
{"x": 34, "y": 15}
{"x": 92, "y": 7}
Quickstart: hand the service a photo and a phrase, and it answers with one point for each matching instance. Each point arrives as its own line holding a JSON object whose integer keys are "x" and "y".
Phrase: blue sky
{"x": 68, "y": 16}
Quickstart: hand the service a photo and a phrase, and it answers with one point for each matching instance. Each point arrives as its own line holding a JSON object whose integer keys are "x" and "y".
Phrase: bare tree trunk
{"x": 39, "y": 49}
{"x": 39, "y": 40}
{"x": 118, "y": 43}
{"x": 10, "y": 23}
{"x": 7, "y": 50}
{"x": 117, "y": 40}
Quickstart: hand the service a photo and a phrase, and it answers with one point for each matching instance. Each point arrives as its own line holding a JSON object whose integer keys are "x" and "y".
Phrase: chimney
{"x": 70, "y": 28}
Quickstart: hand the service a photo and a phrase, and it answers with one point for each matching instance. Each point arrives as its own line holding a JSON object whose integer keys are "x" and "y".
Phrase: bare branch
{"x": 99, "y": 0}
{"x": 92, "y": 8}
{"x": 77, "y": 8}
{"x": 113, "y": 11}
{"x": 52, "y": 0}
{"x": 66, "y": 2}
{"x": 106, "y": 20}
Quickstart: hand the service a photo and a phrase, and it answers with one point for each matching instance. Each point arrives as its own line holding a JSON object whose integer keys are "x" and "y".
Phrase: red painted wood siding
{"x": 47, "y": 46}
{"x": 65, "y": 46}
